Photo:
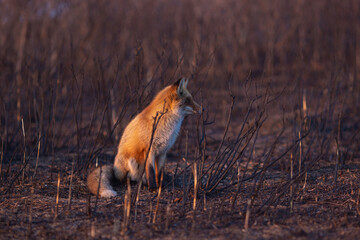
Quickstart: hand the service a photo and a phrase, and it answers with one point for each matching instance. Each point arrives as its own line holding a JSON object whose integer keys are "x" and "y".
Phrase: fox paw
{"x": 108, "y": 193}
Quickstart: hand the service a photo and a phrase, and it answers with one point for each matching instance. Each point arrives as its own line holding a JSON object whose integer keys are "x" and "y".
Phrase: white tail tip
{"x": 108, "y": 193}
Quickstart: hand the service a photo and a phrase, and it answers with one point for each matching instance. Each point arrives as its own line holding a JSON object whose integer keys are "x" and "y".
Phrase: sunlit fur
{"x": 171, "y": 105}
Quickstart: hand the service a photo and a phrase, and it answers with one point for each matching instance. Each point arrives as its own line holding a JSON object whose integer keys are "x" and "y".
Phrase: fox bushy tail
{"x": 103, "y": 175}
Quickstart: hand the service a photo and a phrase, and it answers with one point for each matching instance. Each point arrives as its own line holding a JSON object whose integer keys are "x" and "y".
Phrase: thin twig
{"x": 158, "y": 198}
{"x": 57, "y": 197}
{"x": 70, "y": 187}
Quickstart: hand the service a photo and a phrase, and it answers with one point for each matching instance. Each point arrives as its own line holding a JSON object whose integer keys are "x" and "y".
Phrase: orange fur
{"x": 173, "y": 103}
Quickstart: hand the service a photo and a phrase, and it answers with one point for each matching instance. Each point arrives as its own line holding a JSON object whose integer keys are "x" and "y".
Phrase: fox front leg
{"x": 159, "y": 168}
{"x": 150, "y": 161}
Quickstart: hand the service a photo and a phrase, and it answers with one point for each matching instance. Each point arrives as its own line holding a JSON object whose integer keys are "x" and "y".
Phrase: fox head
{"x": 184, "y": 100}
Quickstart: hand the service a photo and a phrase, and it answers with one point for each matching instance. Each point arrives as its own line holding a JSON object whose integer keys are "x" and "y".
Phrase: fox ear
{"x": 181, "y": 84}
{"x": 186, "y": 82}
{"x": 177, "y": 83}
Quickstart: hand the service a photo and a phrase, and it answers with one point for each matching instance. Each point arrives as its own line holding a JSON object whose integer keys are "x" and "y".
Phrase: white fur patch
{"x": 108, "y": 193}
{"x": 133, "y": 169}
{"x": 174, "y": 134}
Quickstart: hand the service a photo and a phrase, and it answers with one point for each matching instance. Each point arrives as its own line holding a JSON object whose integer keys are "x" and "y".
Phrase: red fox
{"x": 174, "y": 102}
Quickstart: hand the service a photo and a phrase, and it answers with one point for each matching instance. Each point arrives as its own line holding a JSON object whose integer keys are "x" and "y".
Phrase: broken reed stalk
{"x": 52, "y": 165}
{"x": 158, "y": 198}
{"x": 211, "y": 213}
{"x": 247, "y": 216}
{"x": 127, "y": 205}
{"x": 305, "y": 181}
{"x": 300, "y": 146}
{"x": 167, "y": 216}
{"x": 222, "y": 207}
{"x": 24, "y": 155}
{"x": 186, "y": 142}
{"x": 137, "y": 198}
{"x": 195, "y": 187}
{"x": 186, "y": 188}
{"x": 195, "y": 194}
{"x": 300, "y": 143}
{"x": 92, "y": 230}
{"x": 70, "y": 187}
{"x": 37, "y": 156}
{"x": 98, "y": 189}
{"x": 337, "y": 161}
{"x": 339, "y": 139}
{"x": 150, "y": 211}
{"x": 205, "y": 208}
{"x": 304, "y": 108}
{"x": 304, "y": 113}
{"x": 201, "y": 147}
{"x": 291, "y": 186}
{"x": 57, "y": 198}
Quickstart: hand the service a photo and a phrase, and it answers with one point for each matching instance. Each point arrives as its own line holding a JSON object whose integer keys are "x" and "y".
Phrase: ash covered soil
{"x": 320, "y": 207}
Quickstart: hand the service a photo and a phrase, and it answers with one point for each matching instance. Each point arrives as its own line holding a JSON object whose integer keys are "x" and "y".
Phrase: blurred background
{"x": 79, "y": 70}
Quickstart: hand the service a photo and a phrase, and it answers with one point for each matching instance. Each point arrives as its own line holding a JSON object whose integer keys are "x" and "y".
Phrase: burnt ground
{"x": 256, "y": 179}
{"x": 322, "y": 207}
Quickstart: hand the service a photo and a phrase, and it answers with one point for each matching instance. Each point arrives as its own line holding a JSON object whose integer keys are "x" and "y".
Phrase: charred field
{"x": 275, "y": 153}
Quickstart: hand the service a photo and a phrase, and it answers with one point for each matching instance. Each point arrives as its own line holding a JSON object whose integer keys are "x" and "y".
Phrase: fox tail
{"x": 102, "y": 175}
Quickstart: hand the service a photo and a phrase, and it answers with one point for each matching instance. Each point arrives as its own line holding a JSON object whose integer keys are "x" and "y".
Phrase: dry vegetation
{"x": 275, "y": 154}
